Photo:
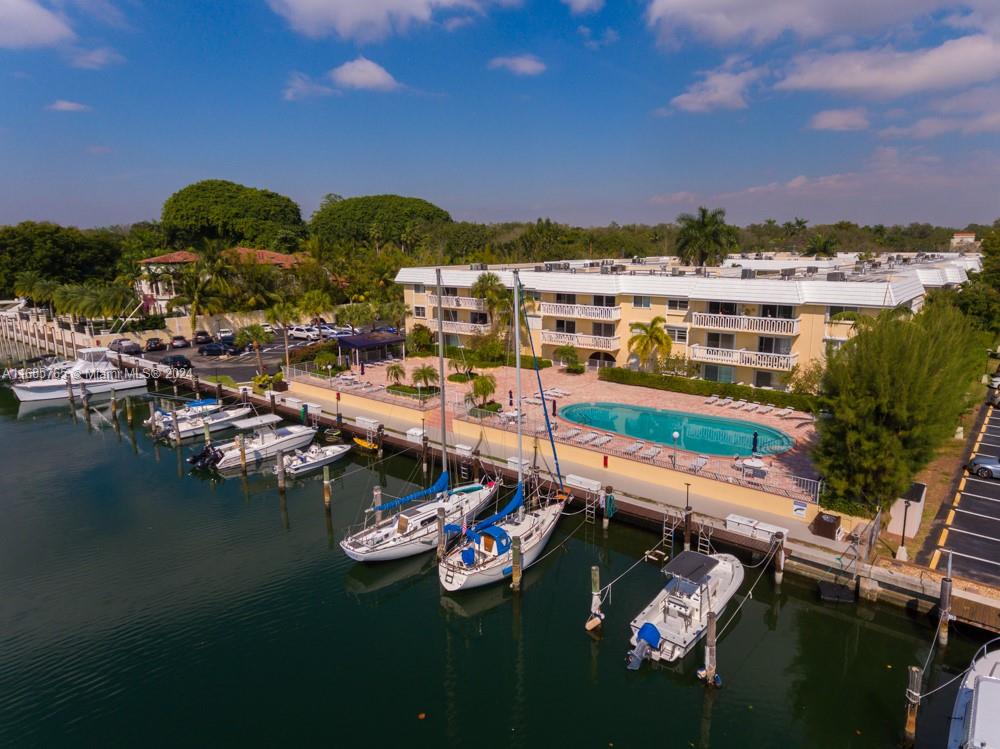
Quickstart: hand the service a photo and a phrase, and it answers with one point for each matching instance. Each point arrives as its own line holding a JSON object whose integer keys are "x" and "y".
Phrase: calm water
{"x": 712, "y": 435}
{"x": 144, "y": 606}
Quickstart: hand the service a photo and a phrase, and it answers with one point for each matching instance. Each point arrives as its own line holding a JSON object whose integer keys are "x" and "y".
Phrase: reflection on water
{"x": 710, "y": 435}
{"x": 145, "y": 607}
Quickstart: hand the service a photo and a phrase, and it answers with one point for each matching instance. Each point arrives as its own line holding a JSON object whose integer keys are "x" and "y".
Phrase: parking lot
{"x": 241, "y": 367}
{"x": 971, "y": 532}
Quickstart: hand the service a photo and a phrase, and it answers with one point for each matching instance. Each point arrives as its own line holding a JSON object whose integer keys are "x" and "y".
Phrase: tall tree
{"x": 821, "y": 245}
{"x": 197, "y": 290}
{"x": 256, "y": 336}
{"x": 705, "y": 238}
{"x": 649, "y": 341}
{"x": 284, "y": 314}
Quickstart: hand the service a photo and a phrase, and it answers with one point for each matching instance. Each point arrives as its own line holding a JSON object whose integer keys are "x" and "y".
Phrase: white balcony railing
{"x": 746, "y": 323}
{"x": 599, "y": 342}
{"x": 586, "y": 311}
{"x": 465, "y": 328}
{"x": 743, "y": 358}
{"x": 457, "y": 302}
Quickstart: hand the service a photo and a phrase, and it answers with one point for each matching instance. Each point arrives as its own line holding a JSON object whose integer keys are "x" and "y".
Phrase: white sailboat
{"x": 413, "y": 530}
{"x": 975, "y": 719}
{"x": 677, "y": 617}
{"x": 486, "y": 557}
{"x": 91, "y": 373}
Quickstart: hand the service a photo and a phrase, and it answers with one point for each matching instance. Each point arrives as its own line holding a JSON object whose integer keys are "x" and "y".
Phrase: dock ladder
{"x": 590, "y": 508}
{"x": 705, "y": 539}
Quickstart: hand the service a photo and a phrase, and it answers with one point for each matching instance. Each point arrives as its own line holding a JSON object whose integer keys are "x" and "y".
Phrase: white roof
{"x": 875, "y": 290}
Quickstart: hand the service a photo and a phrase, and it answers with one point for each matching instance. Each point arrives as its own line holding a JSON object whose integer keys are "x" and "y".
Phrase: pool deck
{"x": 586, "y": 388}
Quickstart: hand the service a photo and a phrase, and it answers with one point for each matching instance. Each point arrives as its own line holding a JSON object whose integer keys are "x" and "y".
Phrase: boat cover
{"x": 473, "y": 533}
{"x": 438, "y": 486}
{"x": 257, "y": 421}
{"x": 691, "y": 565}
{"x": 649, "y": 633}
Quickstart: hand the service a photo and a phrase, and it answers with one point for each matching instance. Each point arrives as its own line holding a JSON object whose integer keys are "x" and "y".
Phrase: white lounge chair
{"x": 571, "y": 433}
{"x": 634, "y": 448}
{"x": 650, "y": 453}
{"x": 765, "y": 409}
{"x": 602, "y": 440}
{"x": 783, "y": 413}
{"x": 750, "y": 407}
{"x": 711, "y": 399}
{"x": 586, "y": 438}
{"x": 698, "y": 463}
{"x": 738, "y": 405}
{"x": 724, "y": 402}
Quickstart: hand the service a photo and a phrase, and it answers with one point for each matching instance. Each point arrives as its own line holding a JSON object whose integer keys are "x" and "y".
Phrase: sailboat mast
{"x": 517, "y": 371}
{"x": 444, "y": 415}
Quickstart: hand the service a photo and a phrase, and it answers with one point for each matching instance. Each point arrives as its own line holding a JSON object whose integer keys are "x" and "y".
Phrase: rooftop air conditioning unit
{"x": 478, "y": 266}
{"x": 747, "y": 273}
{"x": 836, "y": 276}
{"x": 605, "y": 270}
{"x": 631, "y": 272}
{"x": 636, "y": 260}
{"x": 681, "y": 272}
{"x": 699, "y": 271}
{"x": 540, "y": 269}
{"x": 675, "y": 271}
{"x": 787, "y": 273}
{"x": 812, "y": 270}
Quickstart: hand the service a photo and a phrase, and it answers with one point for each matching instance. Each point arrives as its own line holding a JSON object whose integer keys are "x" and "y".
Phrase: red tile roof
{"x": 181, "y": 257}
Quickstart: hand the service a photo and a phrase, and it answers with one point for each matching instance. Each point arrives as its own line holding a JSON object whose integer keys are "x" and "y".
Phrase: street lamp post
{"x": 677, "y": 436}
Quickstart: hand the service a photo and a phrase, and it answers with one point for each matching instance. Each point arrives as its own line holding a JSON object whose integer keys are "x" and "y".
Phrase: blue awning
{"x": 365, "y": 341}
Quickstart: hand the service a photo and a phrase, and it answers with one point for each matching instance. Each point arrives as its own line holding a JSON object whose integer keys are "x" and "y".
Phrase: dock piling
{"x": 128, "y": 409}
{"x": 912, "y": 703}
{"x": 779, "y": 558}
{"x": 218, "y": 391}
{"x": 327, "y": 488}
{"x": 944, "y": 609}
{"x": 271, "y": 398}
{"x": 114, "y": 404}
{"x": 281, "y": 471}
{"x": 442, "y": 539}
{"x": 208, "y": 433}
{"x": 69, "y": 388}
{"x": 710, "y": 649}
{"x": 596, "y": 615}
{"x": 243, "y": 454}
{"x": 515, "y": 567}
{"x": 377, "y": 502}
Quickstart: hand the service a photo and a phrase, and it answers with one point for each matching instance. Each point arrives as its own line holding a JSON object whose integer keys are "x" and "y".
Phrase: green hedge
{"x": 781, "y": 399}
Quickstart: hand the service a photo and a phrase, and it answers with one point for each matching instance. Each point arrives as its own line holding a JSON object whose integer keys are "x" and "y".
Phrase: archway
{"x": 600, "y": 359}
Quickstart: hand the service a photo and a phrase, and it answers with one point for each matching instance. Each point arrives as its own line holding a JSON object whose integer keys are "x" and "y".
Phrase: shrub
{"x": 575, "y": 369}
{"x": 328, "y": 358}
{"x": 420, "y": 340}
{"x": 781, "y": 399}
{"x": 460, "y": 377}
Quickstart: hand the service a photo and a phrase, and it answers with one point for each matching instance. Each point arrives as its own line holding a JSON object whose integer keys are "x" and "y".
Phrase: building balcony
{"x": 743, "y": 358}
{"x": 746, "y": 323}
{"x": 457, "y": 302}
{"x": 465, "y": 328}
{"x": 585, "y": 311}
{"x": 597, "y": 342}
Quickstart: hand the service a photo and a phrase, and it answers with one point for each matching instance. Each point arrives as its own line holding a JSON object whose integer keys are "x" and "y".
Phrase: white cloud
{"x": 62, "y": 105}
{"x": 457, "y": 22}
{"x": 886, "y": 73}
{"x": 840, "y": 119}
{"x": 25, "y": 23}
{"x": 367, "y": 20}
{"x": 519, "y": 64}
{"x": 759, "y": 21}
{"x": 723, "y": 88}
{"x": 931, "y": 127}
{"x": 583, "y": 6}
{"x": 364, "y": 74}
{"x": 675, "y": 198}
{"x": 607, "y": 38}
{"x": 95, "y": 59}
{"x": 300, "y": 86}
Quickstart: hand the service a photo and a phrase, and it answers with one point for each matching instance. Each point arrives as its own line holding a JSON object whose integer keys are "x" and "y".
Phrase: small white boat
{"x": 194, "y": 426}
{"x": 673, "y": 622}
{"x": 317, "y": 456}
{"x": 265, "y": 443}
{"x": 414, "y": 530}
{"x": 975, "y": 719}
{"x": 161, "y": 417}
{"x": 91, "y": 373}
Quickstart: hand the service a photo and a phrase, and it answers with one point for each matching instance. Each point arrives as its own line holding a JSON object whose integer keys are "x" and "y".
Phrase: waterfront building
{"x": 750, "y": 321}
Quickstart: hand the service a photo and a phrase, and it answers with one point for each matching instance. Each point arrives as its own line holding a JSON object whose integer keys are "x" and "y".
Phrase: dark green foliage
{"x": 373, "y": 219}
{"x": 215, "y": 209}
{"x": 704, "y": 387}
{"x": 575, "y": 369}
{"x": 893, "y": 394}
{"x": 419, "y": 340}
{"x": 62, "y": 254}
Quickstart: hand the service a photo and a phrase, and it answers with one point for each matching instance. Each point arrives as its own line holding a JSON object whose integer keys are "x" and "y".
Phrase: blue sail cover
{"x": 439, "y": 486}
{"x": 516, "y": 501}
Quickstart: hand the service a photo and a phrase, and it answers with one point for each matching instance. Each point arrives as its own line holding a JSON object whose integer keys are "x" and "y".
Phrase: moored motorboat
{"x": 671, "y": 624}
{"x": 194, "y": 426}
{"x": 266, "y": 442}
{"x": 317, "y": 456}
{"x": 91, "y": 373}
{"x": 975, "y": 718}
{"x": 161, "y": 417}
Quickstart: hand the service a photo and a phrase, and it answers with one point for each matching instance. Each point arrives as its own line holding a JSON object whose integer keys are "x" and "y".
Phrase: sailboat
{"x": 486, "y": 556}
{"x": 413, "y": 529}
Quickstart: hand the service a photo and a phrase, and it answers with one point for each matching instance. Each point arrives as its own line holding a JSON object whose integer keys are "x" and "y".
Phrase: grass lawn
{"x": 224, "y": 380}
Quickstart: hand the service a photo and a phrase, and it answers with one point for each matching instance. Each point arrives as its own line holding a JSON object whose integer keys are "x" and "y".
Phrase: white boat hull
{"x": 301, "y": 464}
{"x": 364, "y": 547}
{"x": 455, "y": 576}
{"x": 195, "y": 426}
{"x": 47, "y": 390}
{"x": 285, "y": 439}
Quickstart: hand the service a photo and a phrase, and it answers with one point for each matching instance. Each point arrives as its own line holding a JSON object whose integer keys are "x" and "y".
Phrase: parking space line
{"x": 988, "y": 444}
{"x": 981, "y": 496}
{"x": 982, "y": 481}
{"x": 970, "y": 512}
{"x": 977, "y": 535}
{"x": 961, "y": 484}
{"x": 971, "y": 556}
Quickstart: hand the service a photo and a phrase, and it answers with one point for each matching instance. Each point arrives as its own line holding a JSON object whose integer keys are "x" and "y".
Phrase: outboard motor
{"x": 195, "y": 459}
{"x": 637, "y": 655}
{"x": 207, "y": 458}
{"x": 647, "y": 638}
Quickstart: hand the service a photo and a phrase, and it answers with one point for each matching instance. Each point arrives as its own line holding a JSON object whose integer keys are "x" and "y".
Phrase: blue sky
{"x": 587, "y": 111}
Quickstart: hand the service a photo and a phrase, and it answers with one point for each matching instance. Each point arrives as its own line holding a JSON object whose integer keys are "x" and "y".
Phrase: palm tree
{"x": 314, "y": 303}
{"x": 283, "y": 314}
{"x": 483, "y": 388}
{"x": 256, "y": 335}
{"x": 424, "y": 375}
{"x": 394, "y": 312}
{"x": 822, "y": 245}
{"x": 395, "y": 373}
{"x": 25, "y": 283}
{"x": 199, "y": 291}
{"x": 705, "y": 238}
{"x": 649, "y": 340}
{"x": 491, "y": 290}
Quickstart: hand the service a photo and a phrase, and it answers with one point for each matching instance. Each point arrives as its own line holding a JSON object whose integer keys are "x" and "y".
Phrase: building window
{"x": 722, "y": 308}
{"x": 418, "y": 288}
{"x": 678, "y": 335}
{"x": 763, "y": 379}
{"x": 565, "y": 298}
{"x": 449, "y": 291}
{"x": 677, "y": 304}
{"x": 604, "y": 300}
{"x": 479, "y": 318}
{"x": 420, "y": 312}
{"x": 832, "y": 311}
{"x": 833, "y": 345}
{"x": 566, "y": 326}
{"x": 606, "y": 329}
{"x": 450, "y": 315}
{"x": 780, "y": 311}
{"x": 641, "y": 302}
{"x": 768, "y": 345}
{"x": 717, "y": 373}
{"x": 720, "y": 340}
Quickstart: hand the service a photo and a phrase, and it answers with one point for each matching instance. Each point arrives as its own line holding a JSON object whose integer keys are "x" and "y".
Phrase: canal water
{"x": 142, "y": 605}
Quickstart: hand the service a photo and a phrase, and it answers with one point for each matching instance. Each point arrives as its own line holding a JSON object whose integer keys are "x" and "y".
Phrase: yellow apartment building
{"x": 750, "y": 321}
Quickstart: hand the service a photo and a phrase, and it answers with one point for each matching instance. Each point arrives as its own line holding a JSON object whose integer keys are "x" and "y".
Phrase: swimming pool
{"x": 711, "y": 435}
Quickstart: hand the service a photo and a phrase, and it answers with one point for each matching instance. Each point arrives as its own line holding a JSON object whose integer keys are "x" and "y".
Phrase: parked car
{"x": 217, "y": 349}
{"x": 179, "y": 341}
{"x": 117, "y": 343}
{"x": 223, "y": 333}
{"x": 229, "y": 340}
{"x": 201, "y": 336}
{"x": 985, "y": 467}
{"x": 385, "y": 329}
{"x": 130, "y": 348}
{"x": 177, "y": 361}
{"x": 268, "y": 328}
{"x": 155, "y": 344}
{"x": 303, "y": 333}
